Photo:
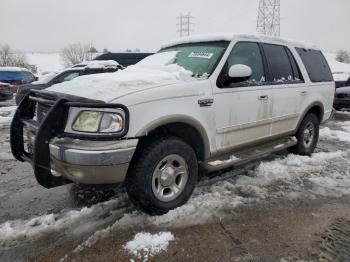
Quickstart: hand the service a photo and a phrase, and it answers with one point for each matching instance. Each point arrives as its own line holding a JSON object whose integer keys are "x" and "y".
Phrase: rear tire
{"x": 307, "y": 135}
{"x": 162, "y": 175}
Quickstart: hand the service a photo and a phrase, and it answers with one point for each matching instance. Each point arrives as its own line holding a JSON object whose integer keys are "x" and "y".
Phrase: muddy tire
{"x": 162, "y": 175}
{"x": 307, "y": 135}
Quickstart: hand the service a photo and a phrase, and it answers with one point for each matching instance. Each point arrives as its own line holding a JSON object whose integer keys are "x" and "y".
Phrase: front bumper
{"x": 38, "y": 137}
{"x": 92, "y": 162}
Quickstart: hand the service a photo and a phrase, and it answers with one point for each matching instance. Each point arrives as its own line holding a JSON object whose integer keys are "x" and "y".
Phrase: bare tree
{"x": 8, "y": 57}
{"x": 76, "y": 53}
{"x": 343, "y": 56}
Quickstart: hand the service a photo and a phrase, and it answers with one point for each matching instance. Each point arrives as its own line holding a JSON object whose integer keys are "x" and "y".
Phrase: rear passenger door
{"x": 287, "y": 87}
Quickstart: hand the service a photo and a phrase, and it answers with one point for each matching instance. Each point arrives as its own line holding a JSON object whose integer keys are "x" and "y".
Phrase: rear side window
{"x": 283, "y": 68}
{"x": 316, "y": 65}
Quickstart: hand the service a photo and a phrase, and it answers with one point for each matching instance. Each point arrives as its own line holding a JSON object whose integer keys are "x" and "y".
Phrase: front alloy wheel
{"x": 162, "y": 175}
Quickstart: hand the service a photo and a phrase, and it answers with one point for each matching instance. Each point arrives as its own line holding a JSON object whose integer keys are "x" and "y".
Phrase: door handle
{"x": 263, "y": 98}
{"x": 303, "y": 93}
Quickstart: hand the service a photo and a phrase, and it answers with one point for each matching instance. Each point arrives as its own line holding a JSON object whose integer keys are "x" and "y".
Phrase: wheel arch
{"x": 317, "y": 108}
{"x": 183, "y": 127}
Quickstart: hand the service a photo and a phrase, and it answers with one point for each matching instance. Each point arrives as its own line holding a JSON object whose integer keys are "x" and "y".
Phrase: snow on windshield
{"x": 156, "y": 70}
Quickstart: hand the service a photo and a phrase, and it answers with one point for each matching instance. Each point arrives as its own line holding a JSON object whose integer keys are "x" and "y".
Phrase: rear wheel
{"x": 307, "y": 135}
{"x": 162, "y": 175}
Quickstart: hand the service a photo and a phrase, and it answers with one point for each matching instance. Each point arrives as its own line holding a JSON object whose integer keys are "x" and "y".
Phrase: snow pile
{"x": 156, "y": 71}
{"x": 6, "y": 115}
{"x": 73, "y": 222}
{"x": 344, "y": 136}
{"x": 96, "y": 64}
{"x": 145, "y": 244}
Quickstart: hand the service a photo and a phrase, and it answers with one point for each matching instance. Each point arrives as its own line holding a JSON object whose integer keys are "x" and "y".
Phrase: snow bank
{"x": 156, "y": 71}
{"x": 344, "y": 136}
{"x": 145, "y": 244}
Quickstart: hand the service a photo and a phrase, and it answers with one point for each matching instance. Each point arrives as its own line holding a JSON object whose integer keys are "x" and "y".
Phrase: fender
{"x": 170, "y": 119}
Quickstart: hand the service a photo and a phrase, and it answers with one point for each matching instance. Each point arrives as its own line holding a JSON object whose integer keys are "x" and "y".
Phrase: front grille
{"x": 41, "y": 111}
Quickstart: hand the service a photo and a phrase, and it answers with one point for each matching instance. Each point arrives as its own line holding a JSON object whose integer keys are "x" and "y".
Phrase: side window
{"x": 281, "y": 64}
{"x": 316, "y": 65}
{"x": 248, "y": 53}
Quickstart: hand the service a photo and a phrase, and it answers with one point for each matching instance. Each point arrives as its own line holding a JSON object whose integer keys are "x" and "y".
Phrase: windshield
{"x": 199, "y": 58}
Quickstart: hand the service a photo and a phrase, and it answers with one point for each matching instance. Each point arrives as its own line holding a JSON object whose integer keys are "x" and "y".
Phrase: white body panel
{"x": 238, "y": 115}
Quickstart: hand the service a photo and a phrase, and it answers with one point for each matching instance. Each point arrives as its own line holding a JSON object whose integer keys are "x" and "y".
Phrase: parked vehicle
{"x": 212, "y": 101}
{"x": 342, "y": 97}
{"x": 16, "y": 76}
{"x": 125, "y": 59}
{"x": 5, "y": 92}
{"x": 86, "y": 68}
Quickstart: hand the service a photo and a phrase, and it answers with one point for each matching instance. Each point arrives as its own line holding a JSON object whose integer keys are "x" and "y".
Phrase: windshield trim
{"x": 223, "y": 44}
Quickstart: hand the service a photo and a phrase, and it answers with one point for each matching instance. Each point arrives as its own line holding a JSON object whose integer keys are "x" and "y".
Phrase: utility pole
{"x": 269, "y": 17}
{"x": 185, "y": 25}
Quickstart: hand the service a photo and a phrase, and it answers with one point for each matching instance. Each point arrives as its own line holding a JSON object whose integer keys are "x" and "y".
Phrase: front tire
{"x": 307, "y": 135}
{"x": 162, "y": 175}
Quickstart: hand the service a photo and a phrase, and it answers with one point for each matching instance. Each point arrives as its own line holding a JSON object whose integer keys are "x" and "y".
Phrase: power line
{"x": 269, "y": 17}
{"x": 185, "y": 25}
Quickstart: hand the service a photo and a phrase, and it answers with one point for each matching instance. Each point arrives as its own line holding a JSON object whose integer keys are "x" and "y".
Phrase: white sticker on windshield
{"x": 201, "y": 55}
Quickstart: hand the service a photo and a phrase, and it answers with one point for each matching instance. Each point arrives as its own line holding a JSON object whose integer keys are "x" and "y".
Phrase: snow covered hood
{"x": 154, "y": 71}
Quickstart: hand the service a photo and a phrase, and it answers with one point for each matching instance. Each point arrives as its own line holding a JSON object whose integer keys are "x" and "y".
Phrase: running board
{"x": 248, "y": 154}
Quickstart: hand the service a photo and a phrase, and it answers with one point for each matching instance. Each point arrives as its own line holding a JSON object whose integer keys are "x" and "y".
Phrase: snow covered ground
{"x": 291, "y": 176}
{"x": 45, "y": 62}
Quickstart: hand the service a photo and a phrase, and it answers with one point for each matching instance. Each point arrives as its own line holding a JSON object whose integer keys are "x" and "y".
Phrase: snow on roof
{"x": 230, "y": 36}
{"x": 95, "y": 64}
{"x": 12, "y": 69}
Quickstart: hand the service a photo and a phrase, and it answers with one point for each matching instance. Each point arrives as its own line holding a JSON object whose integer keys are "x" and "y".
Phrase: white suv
{"x": 208, "y": 101}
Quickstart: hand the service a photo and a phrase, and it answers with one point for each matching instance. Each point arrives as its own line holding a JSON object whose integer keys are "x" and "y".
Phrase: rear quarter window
{"x": 316, "y": 65}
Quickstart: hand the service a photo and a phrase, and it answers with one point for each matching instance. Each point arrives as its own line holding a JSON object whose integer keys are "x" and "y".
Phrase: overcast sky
{"x": 49, "y": 25}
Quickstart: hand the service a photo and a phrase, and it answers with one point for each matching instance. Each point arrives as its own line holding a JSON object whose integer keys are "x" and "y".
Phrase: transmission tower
{"x": 185, "y": 25}
{"x": 269, "y": 17}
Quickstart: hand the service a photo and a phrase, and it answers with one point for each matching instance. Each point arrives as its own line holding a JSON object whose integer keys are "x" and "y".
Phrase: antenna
{"x": 269, "y": 17}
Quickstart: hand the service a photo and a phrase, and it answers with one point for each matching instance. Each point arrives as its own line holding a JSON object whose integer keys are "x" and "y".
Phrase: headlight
{"x": 98, "y": 120}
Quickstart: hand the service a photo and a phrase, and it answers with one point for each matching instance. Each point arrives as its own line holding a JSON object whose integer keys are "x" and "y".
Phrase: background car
{"x": 5, "y": 92}
{"x": 16, "y": 76}
{"x": 342, "y": 96}
{"x": 86, "y": 68}
{"x": 125, "y": 59}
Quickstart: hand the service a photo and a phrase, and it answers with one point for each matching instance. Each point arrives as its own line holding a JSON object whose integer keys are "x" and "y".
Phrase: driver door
{"x": 242, "y": 108}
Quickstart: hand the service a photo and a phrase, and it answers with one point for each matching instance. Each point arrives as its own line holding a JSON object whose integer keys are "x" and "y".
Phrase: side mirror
{"x": 36, "y": 78}
{"x": 239, "y": 72}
